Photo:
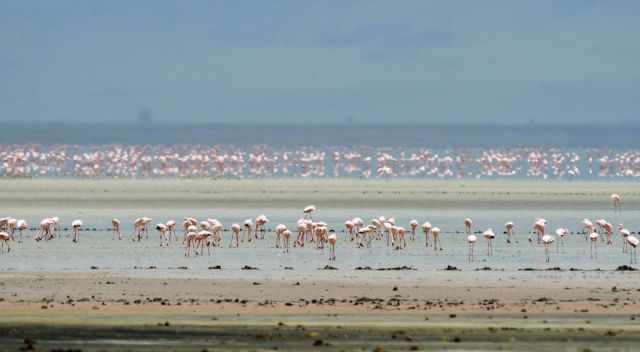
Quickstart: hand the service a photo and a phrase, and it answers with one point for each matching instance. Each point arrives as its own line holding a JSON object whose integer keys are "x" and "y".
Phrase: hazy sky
{"x": 509, "y": 61}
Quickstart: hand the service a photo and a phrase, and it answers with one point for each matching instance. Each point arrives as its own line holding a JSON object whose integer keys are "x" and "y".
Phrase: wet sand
{"x": 276, "y": 193}
{"x": 118, "y": 307}
{"x": 453, "y": 310}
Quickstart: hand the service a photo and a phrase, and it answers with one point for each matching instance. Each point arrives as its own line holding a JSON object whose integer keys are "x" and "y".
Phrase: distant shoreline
{"x": 391, "y": 135}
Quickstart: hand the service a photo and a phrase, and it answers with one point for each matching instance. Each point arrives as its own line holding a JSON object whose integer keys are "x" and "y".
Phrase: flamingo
{"x": 398, "y": 233}
{"x": 11, "y": 226}
{"x": 561, "y": 233}
{"x": 216, "y": 232}
{"x": 285, "y": 239}
{"x": 426, "y": 227}
{"x": 616, "y": 199}
{"x": 247, "y": 225}
{"x": 509, "y": 230}
{"x": 320, "y": 235}
{"x": 278, "y": 230}
{"x": 468, "y": 224}
{"x": 190, "y": 241}
{"x": 538, "y": 228}
{"x": 55, "y": 224}
{"x": 162, "y": 231}
{"x": 308, "y": 211}
{"x": 413, "y": 224}
{"x": 145, "y": 225}
{"x": 587, "y": 226}
{"x": 332, "y": 245}
{"x": 633, "y": 244}
{"x": 302, "y": 229}
{"x": 593, "y": 238}
{"x": 4, "y": 239}
{"x": 115, "y": 228}
{"x": 76, "y": 225}
{"x": 261, "y": 221}
{"x": 489, "y": 235}
{"x": 202, "y": 238}
{"x": 471, "y": 239}
{"x": 171, "y": 229}
{"x": 21, "y": 225}
{"x": 138, "y": 228}
{"x": 235, "y": 235}
{"x": 387, "y": 230}
{"x": 624, "y": 233}
{"x": 348, "y": 229}
{"x": 547, "y": 240}
{"x": 435, "y": 232}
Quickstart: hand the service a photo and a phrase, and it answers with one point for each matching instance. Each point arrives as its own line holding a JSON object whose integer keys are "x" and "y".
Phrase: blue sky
{"x": 409, "y": 61}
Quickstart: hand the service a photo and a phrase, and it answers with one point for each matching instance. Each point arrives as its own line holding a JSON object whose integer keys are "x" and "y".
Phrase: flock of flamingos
{"x": 207, "y": 234}
{"x": 194, "y": 161}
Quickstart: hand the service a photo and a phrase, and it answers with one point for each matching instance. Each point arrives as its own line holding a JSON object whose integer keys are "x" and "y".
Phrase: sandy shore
{"x": 587, "y": 307}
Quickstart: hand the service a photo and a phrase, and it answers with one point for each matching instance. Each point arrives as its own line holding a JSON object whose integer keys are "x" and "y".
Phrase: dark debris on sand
{"x": 328, "y": 267}
{"x": 247, "y": 267}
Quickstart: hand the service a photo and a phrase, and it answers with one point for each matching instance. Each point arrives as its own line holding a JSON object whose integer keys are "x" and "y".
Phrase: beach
{"x": 105, "y": 294}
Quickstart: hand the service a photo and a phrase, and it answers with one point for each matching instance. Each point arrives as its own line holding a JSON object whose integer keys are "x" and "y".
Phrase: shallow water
{"x": 96, "y": 248}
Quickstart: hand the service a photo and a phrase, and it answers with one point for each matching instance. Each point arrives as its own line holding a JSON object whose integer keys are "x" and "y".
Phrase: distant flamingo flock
{"x": 199, "y": 236}
{"x": 197, "y": 161}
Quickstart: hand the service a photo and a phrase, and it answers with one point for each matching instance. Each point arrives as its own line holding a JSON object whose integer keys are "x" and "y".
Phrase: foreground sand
{"x": 59, "y": 308}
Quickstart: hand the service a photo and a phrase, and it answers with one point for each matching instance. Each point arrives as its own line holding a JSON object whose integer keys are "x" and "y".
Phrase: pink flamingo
{"x": 633, "y": 244}
{"x": 21, "y": 225}
{"x": 320, "y": 236}
{"x": 285, "y": 235}
{"x": 171, "y": 229}
{"x": 76, "y": 225}
{"x": 145, "y": 226}
{"x": 547, "y": 240}
{"x": 280, "y": 228}
{"x": 587, "y": 227}
{"x": 261, "y": 221}
{"x": 348, "y": 229}
{"x": 426, "y": 227}
{"x": 190, "y": 240}
{"x": 11, "y": 226}
{"x": 332, "y": 245}
{"x": 302, "y": 229}
{"x": 538, "y": 228}
{"x": 489, "y": 235}
{"x": 593, "y": 238}
{"x": 624, "y": 233}
{"x": 468, "y": 224}
{"x": 248, "y": 225}
{"x": 435, "y": 233}
{"x": 308, "y": 211}
{"x": 235, "y": 234}
{"x": 617, "y": 202}
{"x": 509, "y": 230}
{"x": 471, "y": 239}
{"x": 4, "y": 240}
{"x": 202, "y": 238}
{"x": 138, "y": 228}
{"x": 216, "y": 232}
{"x": 115, "y": 228}
{"x": 162, "y": 231}
{"x": 413, "y": 224}
{"x": 561, "y": 233}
